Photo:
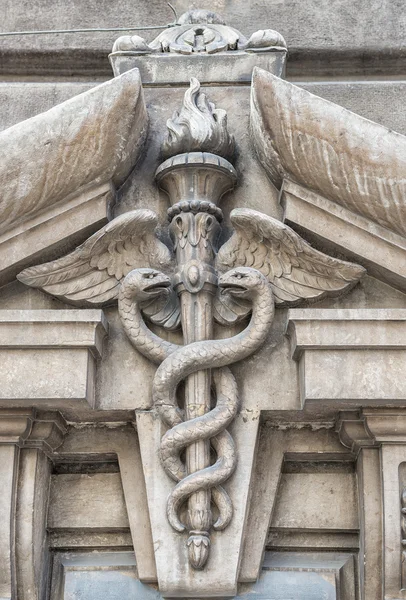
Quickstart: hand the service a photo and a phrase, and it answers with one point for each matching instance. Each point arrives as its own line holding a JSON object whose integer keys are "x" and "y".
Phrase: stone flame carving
{"x": 263, "y": 264}
{"x": 198, "y": 125}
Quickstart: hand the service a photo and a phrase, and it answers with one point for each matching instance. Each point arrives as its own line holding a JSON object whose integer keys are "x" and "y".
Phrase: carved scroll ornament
{"x": 201, "y": 31}
{"x": 264, "y": 263}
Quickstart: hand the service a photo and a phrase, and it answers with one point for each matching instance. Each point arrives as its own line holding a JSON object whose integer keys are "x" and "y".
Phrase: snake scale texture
{"x": 176, "y": 363}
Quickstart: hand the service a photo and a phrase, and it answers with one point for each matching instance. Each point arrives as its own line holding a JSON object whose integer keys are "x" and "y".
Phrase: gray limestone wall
{"x": 364, "y": 37}
{"x": 352, "y": 53}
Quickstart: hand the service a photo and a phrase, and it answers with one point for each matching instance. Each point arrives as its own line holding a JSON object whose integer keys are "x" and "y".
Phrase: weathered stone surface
{"x": 336, "y": 506}
{"x": 352, "y": 357}
{"x": 370, "y": 99}
{"x": 94, "y": 501}
{"x": 51, "y": 232}
{"x": 32, "y": 553}
{"x": 380, "y": 251}
{"x": 97, "y": 136}
{"x": 371, "y": 523}
{"x": 8, "y": 476}
{"x": 340, "y": 357}
{"x": 21, "y": 101}
{"x": 176, "y": 577}
{"x": 121, "y": 442}
{"x": 276, "y": 445}
{"x": 321, "y": 38}
{"x": 49, "y": 356}
{"x": 198, "y": 35}
{"x": 354, "y": 162}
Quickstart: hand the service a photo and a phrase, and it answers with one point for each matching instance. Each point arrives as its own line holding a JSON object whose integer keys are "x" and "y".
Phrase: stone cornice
{"x": 29, "y": 428}
{"x": 381, "y": 251}
{"x": 349, "y": 358}
{"x": 371, "y": 427}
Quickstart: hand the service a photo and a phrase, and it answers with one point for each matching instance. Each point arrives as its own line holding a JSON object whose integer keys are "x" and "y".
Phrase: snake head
{"x": 147, "y": 284}
{"x": 242, "y": 282}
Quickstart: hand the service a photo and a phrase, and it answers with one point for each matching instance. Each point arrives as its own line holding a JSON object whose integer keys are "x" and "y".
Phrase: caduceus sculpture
{"x": 264, "y": 263}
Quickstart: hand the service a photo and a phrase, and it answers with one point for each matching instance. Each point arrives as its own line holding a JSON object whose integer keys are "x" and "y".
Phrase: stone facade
{"x": 202, "y": 303}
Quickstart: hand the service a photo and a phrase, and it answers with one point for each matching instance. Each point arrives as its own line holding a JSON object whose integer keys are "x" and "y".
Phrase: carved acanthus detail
{"x": 264, "y": 262}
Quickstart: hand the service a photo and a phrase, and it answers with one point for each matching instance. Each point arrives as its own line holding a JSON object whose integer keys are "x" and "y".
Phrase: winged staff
{"x": 126, "y": 262}
{"x": 189, "y": 285}
{"x": 92, "y": 274}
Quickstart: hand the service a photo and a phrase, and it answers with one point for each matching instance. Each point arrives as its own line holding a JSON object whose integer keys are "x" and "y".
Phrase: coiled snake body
{"x": 177, "y": 362}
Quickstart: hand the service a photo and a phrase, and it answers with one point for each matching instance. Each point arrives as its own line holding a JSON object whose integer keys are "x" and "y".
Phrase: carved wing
{"x": 91, "y": 274}
{"x": 295, "y": 270}
{"x": 355, "y": 162}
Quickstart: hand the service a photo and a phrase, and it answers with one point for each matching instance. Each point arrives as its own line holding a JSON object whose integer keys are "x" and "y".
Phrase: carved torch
{"x": 195, "y": 181}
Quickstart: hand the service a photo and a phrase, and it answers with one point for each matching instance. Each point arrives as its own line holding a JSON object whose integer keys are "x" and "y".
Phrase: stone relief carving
{"x": 264, "y": 263}
{"x": 355, "y": 162}
{"x": 198, "y": 124}
{"x": 201, "y": 31}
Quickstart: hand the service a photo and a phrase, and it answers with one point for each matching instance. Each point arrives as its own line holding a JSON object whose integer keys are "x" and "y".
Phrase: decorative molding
{"x": 201, "y": 31}
{"x": 31, "y": 428}
{"x": 47, "y": 432}
{"x": 48, "y": 357}
{"x": 353, "y": 431}
{"x": 15, "y": 425}
{"x": 381, "y": 251}
{"x": 371, "y": 427}
{"x": 200, "y": 43}
{"x": 352, "y": 161}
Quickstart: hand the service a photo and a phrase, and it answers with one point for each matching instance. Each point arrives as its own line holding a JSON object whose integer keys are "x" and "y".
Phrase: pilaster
{"x": 26, "y": 436}
{"x": 378, "y": 437}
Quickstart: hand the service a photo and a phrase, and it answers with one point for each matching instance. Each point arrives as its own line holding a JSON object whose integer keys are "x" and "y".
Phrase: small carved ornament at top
{"x": 201, "y": 31}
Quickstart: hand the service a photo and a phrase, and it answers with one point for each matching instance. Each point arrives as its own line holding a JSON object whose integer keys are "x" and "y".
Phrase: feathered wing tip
{"x": 91, "y": 274}
{"x": 295, "y": 270}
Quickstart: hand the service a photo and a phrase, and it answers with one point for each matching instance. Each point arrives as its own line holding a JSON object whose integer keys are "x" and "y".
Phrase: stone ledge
{"x": 345, "y": 329}
{"x": 53, "y": 231}
{"x": 349, "y": 357}
{"x": 231, "y": 68}
{"x": 48, "y": 357}
{"x": 379, "y": 250}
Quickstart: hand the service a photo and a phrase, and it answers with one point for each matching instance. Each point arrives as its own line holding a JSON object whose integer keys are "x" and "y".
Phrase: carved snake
{"x": 178, "y": 362}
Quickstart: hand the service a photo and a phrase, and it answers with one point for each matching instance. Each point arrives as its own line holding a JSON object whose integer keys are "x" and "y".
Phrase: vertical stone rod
{"x": 195, "y": 182}
{"x": 198, "y": 325}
